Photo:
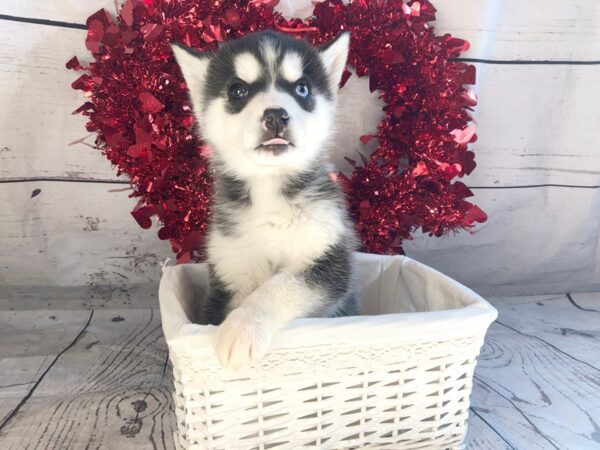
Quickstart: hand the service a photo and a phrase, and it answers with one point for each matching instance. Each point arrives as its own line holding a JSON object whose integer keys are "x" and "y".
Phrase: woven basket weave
{"x": 398, "y": 377}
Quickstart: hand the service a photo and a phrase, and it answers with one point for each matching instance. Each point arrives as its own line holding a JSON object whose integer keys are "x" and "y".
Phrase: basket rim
{"x": 473, "y": 318}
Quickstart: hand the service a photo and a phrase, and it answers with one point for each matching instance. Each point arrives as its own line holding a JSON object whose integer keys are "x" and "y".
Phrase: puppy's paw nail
{"x": 242, "y": 338}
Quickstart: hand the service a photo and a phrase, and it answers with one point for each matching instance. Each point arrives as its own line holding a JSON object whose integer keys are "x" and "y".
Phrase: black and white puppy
{"x": 280, "y": 242}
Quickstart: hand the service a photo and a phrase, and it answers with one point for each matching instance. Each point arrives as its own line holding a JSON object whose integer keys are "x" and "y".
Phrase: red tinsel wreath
{"x": 137, "y": 104}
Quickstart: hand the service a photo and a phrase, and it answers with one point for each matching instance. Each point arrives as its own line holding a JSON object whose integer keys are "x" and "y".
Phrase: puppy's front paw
{"x": 243, "y": 337}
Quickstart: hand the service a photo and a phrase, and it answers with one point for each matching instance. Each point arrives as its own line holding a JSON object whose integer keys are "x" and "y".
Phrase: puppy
{"x": 280, "y": 241}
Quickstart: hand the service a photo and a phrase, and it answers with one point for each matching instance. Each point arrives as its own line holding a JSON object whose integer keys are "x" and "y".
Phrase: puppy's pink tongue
{"x": 276, "y": 141}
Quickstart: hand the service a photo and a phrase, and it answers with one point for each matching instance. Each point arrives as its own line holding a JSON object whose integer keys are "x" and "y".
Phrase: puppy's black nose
{"x": 275, "y": 119}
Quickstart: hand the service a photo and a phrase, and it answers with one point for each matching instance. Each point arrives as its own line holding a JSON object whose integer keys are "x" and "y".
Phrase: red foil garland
{"x": 137, "y": 104}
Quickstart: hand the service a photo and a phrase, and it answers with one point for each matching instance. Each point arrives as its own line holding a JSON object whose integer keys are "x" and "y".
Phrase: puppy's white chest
{"x": 273, "y": 235}
{"x": 288, "y": 234}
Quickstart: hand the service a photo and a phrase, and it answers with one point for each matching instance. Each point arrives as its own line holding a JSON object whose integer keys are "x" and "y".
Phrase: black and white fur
{"x": 280, "y": 242}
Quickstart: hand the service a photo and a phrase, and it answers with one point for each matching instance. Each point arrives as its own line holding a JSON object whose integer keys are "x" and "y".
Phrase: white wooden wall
{"x": 64, "y": 216}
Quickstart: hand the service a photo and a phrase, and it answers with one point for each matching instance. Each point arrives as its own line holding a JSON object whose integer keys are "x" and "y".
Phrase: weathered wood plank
{"x": 534, "y": 102}
{"x": 29, "y": 342}
{"x": 506, "y": 419}
{"x": 78, "y": 235}
{"x": 85, "y": 236}
{"x": 72, "y": 11}
{"x": 529, "y": 121}
{"x": 36, "y": 125}
{"x": 555, "y": 320}
{"x": 515, "y": 251}
{"x": 110, "y": 294}
{"x": 516, "y": 30}
{"x": 480, "y": 436}
{"x": 111, "y": 390}
{"x": 508, "y": 29}
{"x": 535, "y": 395}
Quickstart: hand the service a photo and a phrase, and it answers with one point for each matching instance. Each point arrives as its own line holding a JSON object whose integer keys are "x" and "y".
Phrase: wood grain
{"x": 538, "y": 100}
{"x": 529, "y": 121}
{"x": 517, "y": 30}
{"x": 78, "y": 235}
{"x": 517, "y": 251}
{"x": 507, "y": 29}
{"x": 112, "y": 294}
{"x": 556, "y": 321}
{"x": 535, "y": 395}
{"x": 481, "y": 436}
{"x": 73, "y": 11}
{"x": 111, "y": 390}
{"x": 28, "y": 344}
{"x": 94, "y": 242}
{"x": 506, "y": 420}
{"x": 535, "y": 125}
{"x": 36, "y": 125}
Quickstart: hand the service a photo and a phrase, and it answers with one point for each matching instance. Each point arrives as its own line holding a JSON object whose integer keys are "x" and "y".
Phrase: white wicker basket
{"x": 398, "y": 377}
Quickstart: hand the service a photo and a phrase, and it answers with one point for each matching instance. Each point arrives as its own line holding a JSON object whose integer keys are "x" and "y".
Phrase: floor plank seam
{"x": 16, "y": 384}
{"x": 24, "y": 400}
{"x": 493, "y": 429}
{"x": 520, "y": 411}
{"x": 125, "y": 396}
{"x": 549, "y": 344}
{"x": 56, "y": 23}
{"x": 570, "y": 297}
{"x": 133, "y": 336}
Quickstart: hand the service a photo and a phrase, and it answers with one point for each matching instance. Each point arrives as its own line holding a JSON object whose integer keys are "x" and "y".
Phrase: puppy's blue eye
{"x": 238, "y": 90}
{"x": 302, "y": 89}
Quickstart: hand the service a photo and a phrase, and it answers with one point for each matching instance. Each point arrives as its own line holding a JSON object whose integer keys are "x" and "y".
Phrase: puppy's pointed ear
{"x": 194, "y": 67}
{"x": 334, "y": 55}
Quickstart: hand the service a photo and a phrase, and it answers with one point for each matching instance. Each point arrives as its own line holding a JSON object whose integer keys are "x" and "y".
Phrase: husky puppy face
{"x": 265, "y": 102}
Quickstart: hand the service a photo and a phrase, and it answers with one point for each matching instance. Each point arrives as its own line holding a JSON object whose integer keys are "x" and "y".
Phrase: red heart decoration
{"x": 137, "y": 104}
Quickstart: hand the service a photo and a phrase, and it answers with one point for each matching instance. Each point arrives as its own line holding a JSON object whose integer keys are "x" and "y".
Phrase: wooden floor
{"x": 100, "y": 379}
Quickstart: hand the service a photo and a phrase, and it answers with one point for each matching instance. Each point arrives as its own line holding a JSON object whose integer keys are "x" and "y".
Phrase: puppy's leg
{"x": 317, "y": 291}
{"x": 247, "y": 331}
{"x": 213, "y": 310}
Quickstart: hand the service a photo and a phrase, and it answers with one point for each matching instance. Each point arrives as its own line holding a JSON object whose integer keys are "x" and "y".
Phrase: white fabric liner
{"x": 395, "y": 292}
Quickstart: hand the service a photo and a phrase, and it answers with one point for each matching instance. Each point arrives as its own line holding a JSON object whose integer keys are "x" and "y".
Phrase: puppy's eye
{"x": 238, "y": 90}
{"x": 302, "y": 89}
